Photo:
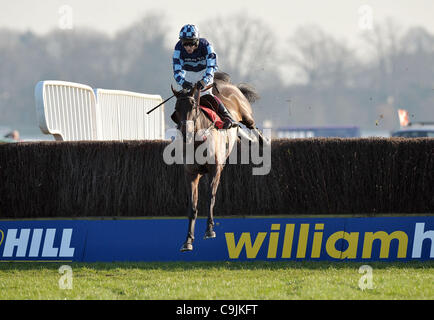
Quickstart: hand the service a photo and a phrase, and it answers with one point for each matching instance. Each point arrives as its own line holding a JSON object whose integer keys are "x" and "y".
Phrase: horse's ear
{"x": 175, "y": 93}
{"x": 193, "y": 91}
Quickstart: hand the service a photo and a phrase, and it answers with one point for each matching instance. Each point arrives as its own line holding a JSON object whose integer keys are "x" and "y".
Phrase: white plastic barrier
{"x": 72, "y": 111}
{"x": 122, "y": 115}
{"x": 66, "y": 110}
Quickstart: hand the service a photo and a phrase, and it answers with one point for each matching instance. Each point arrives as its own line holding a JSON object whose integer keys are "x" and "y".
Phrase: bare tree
{"x": 245, "y": 46}
{"x": 402, "y": 67}
{"x": 79, "y": 55}
{"x": 384, "y": 42}
{"x": 139, "y": 58}
{"x": 321, "y": 59}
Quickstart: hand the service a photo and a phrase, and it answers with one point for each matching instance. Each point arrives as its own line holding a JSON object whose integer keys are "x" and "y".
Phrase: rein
{"x": 196, "y": 103}
{"x": 196, "y": 107}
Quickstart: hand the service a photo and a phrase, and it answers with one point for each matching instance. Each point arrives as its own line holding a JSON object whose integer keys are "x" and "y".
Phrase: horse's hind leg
{"x": 193, "y": 195}
{"x": 215, "y": 175}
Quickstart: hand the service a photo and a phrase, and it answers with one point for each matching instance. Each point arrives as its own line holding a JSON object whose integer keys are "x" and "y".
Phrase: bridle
{"x": 195, "y": 106}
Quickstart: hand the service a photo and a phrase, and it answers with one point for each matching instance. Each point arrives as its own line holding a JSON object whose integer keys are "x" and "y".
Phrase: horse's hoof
{"x": 186, "y": 247}
{"x": 209, "y": 235}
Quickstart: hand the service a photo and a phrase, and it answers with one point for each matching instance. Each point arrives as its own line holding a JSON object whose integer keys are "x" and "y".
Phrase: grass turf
{"x": 218, "y": 280}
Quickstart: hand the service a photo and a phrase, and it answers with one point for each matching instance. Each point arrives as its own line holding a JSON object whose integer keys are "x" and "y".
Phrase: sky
{"x": 344, "y": 19}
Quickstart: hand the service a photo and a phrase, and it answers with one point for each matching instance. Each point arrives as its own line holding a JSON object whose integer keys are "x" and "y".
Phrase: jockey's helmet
{"x": 189, "y": 32}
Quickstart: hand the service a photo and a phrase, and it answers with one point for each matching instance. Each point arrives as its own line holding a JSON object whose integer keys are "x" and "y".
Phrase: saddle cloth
{"x": 213, "y": 116}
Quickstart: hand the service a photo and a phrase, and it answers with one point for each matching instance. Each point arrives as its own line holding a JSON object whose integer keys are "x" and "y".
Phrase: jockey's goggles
{"x": 190, "y": 43}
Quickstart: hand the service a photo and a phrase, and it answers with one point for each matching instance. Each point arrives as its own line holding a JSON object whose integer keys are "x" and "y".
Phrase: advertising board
{"x": 272, "y": 239}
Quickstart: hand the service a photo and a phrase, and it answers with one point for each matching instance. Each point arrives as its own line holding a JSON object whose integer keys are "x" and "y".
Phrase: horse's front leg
{"x": 215, "y": 176}
{"x": 193, "y": 195}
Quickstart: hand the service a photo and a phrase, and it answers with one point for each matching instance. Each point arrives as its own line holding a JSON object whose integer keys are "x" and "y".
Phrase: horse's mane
{"x": 248, "y": 90}
{"x": 222, "y": 76}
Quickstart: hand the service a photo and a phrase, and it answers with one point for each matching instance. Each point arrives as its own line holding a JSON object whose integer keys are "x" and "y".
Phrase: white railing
{"x": 72, "y": 111}
{"x": 122, "y": 115}
{"x": 66, "y": 110}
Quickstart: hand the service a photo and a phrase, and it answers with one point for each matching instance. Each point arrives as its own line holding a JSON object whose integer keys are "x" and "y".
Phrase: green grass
{"x": 219, "y": 280}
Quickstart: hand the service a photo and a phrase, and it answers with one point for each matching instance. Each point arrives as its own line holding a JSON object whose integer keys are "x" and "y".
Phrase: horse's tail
{"x": 249, "y": 92}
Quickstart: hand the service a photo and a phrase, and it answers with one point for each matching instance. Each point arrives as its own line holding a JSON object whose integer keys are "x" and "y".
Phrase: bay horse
{"x": 193, "y": 123}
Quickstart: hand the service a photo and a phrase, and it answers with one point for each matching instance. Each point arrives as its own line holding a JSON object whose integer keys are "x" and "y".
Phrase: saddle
{"x": 209, "y": 106}
{"x": 212, "y": 116}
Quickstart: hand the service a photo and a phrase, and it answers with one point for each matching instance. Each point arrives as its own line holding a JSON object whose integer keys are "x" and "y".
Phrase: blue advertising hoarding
{"x": 314, "y": 239}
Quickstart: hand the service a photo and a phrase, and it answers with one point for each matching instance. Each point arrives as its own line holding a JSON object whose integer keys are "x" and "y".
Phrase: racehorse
{"x": 193, "y": 123}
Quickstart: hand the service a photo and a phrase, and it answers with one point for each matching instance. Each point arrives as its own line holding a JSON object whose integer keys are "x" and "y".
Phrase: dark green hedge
{"x": 308, "y": 176}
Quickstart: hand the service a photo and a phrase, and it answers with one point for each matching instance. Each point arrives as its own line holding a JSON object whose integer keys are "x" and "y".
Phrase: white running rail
{"x": 73, "y": 111}
{"x": 122, "y": 115}
{"x": 66, "y": 110}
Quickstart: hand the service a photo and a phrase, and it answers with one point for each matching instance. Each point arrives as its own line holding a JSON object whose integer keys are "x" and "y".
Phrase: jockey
{"x": 194, "y": 64}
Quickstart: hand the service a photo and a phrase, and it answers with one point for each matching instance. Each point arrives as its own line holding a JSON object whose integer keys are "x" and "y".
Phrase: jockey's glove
{"x": 187, "y": 85}
{"x": 200, "y": 84}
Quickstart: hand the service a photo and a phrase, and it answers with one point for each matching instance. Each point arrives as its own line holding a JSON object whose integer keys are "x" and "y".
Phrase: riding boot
{"x": 229, "y": 122}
